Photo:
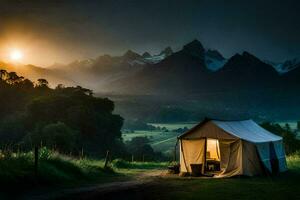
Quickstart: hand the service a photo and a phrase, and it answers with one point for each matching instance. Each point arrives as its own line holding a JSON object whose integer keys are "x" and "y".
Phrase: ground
{"x": 157, "y": 184}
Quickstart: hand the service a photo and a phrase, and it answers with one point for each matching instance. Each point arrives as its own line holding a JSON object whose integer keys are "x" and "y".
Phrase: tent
{"x": 229, "y": 148}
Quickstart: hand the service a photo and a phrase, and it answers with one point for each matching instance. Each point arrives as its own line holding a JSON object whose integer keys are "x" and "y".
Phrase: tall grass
{"x": 54, "y": 168}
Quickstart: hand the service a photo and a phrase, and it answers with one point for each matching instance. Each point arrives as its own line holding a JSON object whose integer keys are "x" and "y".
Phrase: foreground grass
{"x": 283, "y": 186}
{"x": 56, "y": 170}
{"x": 17, "y": 170}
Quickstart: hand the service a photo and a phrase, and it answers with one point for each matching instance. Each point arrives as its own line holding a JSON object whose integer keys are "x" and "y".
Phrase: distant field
{"x": 174, "y": 126}
{"x": 293, "y": 124}
{"x": 159, "y": 140}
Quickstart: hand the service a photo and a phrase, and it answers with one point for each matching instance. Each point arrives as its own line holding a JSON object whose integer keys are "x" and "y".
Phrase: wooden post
{"x": 81, "y": 153}
{"x": 132, "y": 158}
{"x": 36, "y": 159}
{"x": 18, "y": 151}
{"x": 106, "y": 159}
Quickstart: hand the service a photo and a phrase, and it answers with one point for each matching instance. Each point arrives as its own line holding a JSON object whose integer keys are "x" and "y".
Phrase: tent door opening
{"x": 212, "y": 157}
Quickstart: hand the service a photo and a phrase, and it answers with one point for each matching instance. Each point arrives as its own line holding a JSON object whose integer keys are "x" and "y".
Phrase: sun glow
{"x": 16, "y": 55}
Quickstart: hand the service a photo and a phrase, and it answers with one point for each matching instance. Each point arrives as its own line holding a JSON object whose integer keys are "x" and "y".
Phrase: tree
{"x": 140, "y": 148}
{"x": 60, "y": 87}
{"x": 13, "y": 78}
{"x": 12, "y": 129}
{"x": 98, "y": 129}
{"x": 42, "y": 83}
{"x": 84, "y": 90}
{"x": 3, "y": 74}
{"x": 26, "y": 84}
{"x": 289, "y": 137}
{"x": 55, "y": 135}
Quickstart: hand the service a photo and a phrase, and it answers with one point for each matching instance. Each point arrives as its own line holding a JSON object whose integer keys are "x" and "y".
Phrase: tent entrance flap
{"x": 212, "y": 155}
{"x": 192, "y": 155}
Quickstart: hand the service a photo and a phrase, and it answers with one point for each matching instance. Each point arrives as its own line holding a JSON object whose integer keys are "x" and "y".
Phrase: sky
{"x": 57, "y": 31}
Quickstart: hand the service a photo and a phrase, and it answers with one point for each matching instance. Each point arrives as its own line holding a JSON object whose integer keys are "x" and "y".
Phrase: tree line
{"x": 67, "y": 119}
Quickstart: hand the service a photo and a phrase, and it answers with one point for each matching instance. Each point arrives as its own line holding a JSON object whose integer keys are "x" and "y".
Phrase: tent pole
{"x": 205, "y": 150}
{"x": 175, "y": 150}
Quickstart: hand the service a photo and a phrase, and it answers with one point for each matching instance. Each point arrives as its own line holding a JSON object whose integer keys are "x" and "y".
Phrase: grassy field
{"x": 284, "y": 186}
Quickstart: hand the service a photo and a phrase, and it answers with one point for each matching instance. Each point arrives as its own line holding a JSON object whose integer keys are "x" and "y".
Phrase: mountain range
{"x": 189, "y": 71}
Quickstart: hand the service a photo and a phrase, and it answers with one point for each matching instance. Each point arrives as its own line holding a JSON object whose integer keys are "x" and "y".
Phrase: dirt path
{"x": 132, "y": 189}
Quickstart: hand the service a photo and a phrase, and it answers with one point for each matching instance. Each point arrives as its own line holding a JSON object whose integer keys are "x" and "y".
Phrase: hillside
{"x": 33, "y": 72}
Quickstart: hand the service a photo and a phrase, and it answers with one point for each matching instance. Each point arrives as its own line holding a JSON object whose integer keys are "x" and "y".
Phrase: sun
{"x": 16, "y": 55}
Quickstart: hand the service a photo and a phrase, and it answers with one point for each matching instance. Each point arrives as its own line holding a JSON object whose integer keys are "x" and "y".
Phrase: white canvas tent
{"x": 240, "y": 147}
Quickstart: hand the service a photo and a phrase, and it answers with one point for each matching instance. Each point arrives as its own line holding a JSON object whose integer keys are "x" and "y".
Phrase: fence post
{"x": 106, "y": 159}
{"x": 132, "y": 158}
{"x": 36, "y": 158}
{"x": 81, "y": 153}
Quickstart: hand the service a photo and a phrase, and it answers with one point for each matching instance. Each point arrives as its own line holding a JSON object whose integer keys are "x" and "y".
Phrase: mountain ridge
{"x": 190, "y": 70}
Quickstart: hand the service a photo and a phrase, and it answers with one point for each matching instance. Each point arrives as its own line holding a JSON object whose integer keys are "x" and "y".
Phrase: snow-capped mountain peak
{"x": 159, "y": 57}
{"x": 214, "y": 60}
{"x": 285, "y": 66}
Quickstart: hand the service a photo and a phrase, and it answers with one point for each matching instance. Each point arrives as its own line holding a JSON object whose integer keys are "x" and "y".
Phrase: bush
{"x": 45, "y": 153}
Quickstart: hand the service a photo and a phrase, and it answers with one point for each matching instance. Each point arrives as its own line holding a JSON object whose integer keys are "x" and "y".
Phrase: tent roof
{"x": 246, "y": 129}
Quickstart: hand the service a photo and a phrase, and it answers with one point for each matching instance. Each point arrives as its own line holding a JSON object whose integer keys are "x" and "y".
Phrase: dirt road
{"x": 138, "y": 188}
